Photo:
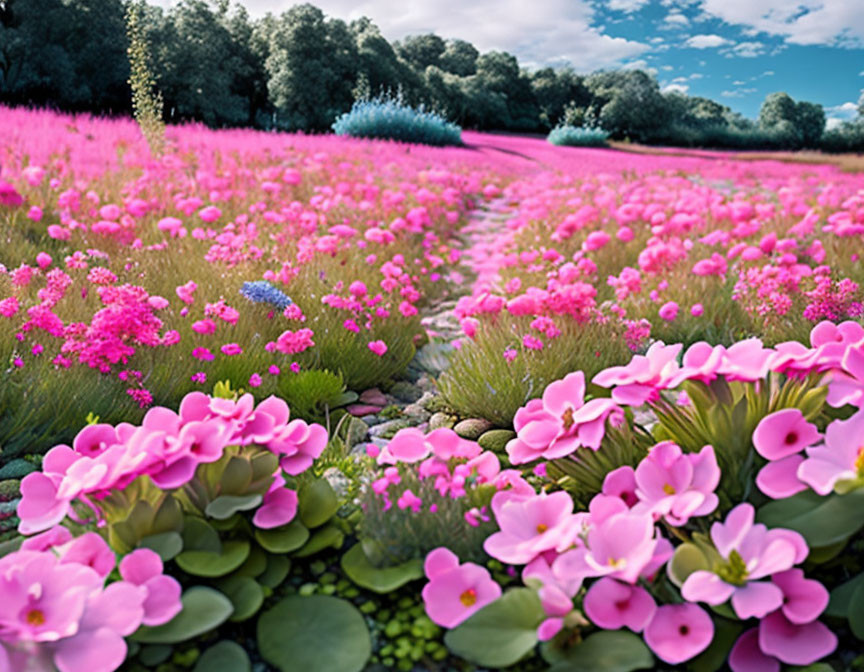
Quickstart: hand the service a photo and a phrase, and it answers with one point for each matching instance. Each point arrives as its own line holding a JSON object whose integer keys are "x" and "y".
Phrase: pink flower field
{"x": 297, "y": 402}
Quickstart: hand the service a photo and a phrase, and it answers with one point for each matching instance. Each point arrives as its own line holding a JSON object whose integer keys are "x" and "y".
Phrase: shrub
{"x": 578, "y": 136}
{"x": 389, "y": 118}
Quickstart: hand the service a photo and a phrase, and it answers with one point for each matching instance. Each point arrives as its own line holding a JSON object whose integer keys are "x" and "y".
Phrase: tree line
{"x": 297, "y": 71}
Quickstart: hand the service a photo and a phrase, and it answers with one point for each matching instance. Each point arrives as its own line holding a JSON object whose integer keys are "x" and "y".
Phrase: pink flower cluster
{"x": 167, "y": 448}
{"x": 59, "y": 610}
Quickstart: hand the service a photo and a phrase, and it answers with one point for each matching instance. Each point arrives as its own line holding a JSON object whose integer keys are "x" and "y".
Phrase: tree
{"x": 777, "y": 108}
{"x": 459, "y": 58}
{"x": 311, "y": 69}
{"x": 810, "y": 120}
{"x": 421, "y": 51}
{"x": 794, "y": 124}
{"x": 555, "y": 91}
{"x": 628, "y": 104}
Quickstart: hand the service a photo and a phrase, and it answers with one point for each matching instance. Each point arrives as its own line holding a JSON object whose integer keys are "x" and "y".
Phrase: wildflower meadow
{"x": 278, "y": 402}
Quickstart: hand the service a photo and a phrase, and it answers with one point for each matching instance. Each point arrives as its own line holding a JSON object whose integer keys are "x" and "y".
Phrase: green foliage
{"x": 146, "y": 101}
{"x": 822, "y": 521}
{"x": 224, "y": 656}
{"x": 203, "y": 610}
{"x": 312, "y": 393}
{"x": 606, "y": 651}
{"x": 502, "y": 632}
{"x": 389, "y": 118}
{"x": 379, "y": 579}
{"x": 316, "y": 633}
{"x": 573, "y": 136}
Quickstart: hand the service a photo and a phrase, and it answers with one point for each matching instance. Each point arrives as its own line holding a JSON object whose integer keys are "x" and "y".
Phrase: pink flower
{"x": 455, "y": 591}
{"x": 676, "y": 486}
{"x": 780, "y": 437}
{"x": 231, "y": 349}
{"x": 643, "y": 378}
{"x": 299, "y": 444}
{"x": 210, "y": 214}
{"x": 669, "y": 311}
{"x": 378, "y": 347}
{"x": 143, "y": 567}
{"x": 679, "y": 632}
{"x": 749, "y": 552}
{"x": 621, "y": 483}
{"x": 560, "y": 422}
{"x": 697, "y": 309}
{"x": 411, "y": 445}
{"x": 613, "y": 605}
{"x": 530, "y": 526}
{"x": 795, "y": 644}
{"x": 278, "y": 508}
{"x": 840, "y": 459}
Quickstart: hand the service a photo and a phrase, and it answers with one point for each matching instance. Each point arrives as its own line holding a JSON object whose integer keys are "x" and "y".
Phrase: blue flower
{"x": 262, "y": 291}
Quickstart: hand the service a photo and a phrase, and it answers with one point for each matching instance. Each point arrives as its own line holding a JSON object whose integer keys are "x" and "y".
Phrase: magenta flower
{"x": 749, "y": 552}
{"x": 378, "y": 347}
{"x": 143, "y": 567}
{"x": 840, "y": 459}
{"x": 795, "y": 644}
{"x": 780, "y": 437}
{"x": 643, "y": 378}
{"x": 621, "y": 482}
{"x": 278, "y": 508}
{"x": 530, "y": 526}
{"x": 679, "y": 632}
{"x": 455, "y": 591}
{"x": 619, "y": 544}
{"x": 560, "y": 422}
{"x": 612, "y": 605}
{"x": 675, "y": 486}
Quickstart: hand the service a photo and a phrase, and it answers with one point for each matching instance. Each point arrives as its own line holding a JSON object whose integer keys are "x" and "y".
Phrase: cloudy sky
{"x": 734, "y": 51}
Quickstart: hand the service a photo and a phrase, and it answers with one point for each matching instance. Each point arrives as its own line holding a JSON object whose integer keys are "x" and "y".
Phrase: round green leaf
{"x": 328, "y": 536}
{"x": 380, "y": 579}
{"x": 167, "y": 544}
{"x": 687, "y": 559}
{"x": 501, "y": 632}
{"x": 227, "y": 505}
{"x": 206, "y": 563}
{"x": 283, "y": 539}
{"x": 314, "y": 634}
{"x": 607, "y": 651}
{"x": 841, "y": 597}
{"x": 224, "y": 656}
{"x": 203, "y": 609}
{"x": 822, "y": 521}
{"x": 317, "y": 503}
{"x": 277, "y": 570}
{"x": 255, "y": 564}
{"x": 855, "y": 613}
{"x": 245, "y": 594}
{"x": 155, "y": 654}
{"x": 198, "y": 535}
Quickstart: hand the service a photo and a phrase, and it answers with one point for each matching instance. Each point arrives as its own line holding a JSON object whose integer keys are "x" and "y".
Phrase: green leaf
{"x": 227, "y": 505}
{"x": 245, "y": 594}
{"x": 607, "y": 651}
{"x": 167, "y": 544}
{"x": 501, "y": 633}
{"x": 255, "y": 564}
{"x": 236, "y": 477}
{"x": 688, "y": 558}
{"x": 155, "y": 654}
{"x": 314, "y": 634}
{"x": 822, "y": 521}
{"x": 209, "y": 564}
{"x": 841, "y": 597}
{"x": 317, "y": 503}
{"x": 203, "y": 609}
{"x": 379, "y": 579}
{"x": 277, "y": 570}
{"x": 198, "y": 535}
{"x": 283, "y": 539}
{"x": 329, "y": 536}
{"x": 855, "y": 613}
{"x": 224, "y": 656}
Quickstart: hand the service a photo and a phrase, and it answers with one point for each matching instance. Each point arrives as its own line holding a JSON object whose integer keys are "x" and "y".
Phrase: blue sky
{"x": 734, "y": 51}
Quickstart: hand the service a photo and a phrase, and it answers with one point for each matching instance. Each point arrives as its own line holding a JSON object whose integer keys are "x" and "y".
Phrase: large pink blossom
{"x": 455, "y": 591}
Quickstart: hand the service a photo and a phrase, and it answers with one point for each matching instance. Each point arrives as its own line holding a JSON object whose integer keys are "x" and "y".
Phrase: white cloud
{"x": 705, "y": 41}
{"x": 675, "y": 88}
{"x": 747, "y": 49}
{"x": 640, "y": 64}
{"x": 837, "y": 114}
{"x": 626, "y": 5}
{"x": 676, "y": 19}
{"x": 737, "y": 93}
{"x": 834, "y": 22}
{"x": 768, "y": 73}
{"x": 552, "y": 32}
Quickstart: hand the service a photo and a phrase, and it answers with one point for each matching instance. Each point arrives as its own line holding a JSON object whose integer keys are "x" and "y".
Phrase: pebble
{"x": 496, "y": 439}
{"x": 439, "y": 420}
{"x": 387, "y": 429}
{"x": 359, "y": 410}
{"x": 373, "y": 397}
{"x": 472, "y": 428}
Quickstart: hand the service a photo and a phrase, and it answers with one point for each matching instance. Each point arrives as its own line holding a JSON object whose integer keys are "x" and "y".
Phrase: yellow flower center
{"x": 35, "y": 617}
{"x": 541, "y": 528}
{"x": 567, "y": 418}
{"x": 668, "y": 489}
{"x": 469, "y": 597}
{"x": 859, "y": 462}
{"x": 618, "y": 563}
{"x": 734, "y": 571}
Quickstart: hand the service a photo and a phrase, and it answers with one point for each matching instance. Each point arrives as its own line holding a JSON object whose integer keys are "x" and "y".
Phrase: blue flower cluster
{"x": 261, "y": 291}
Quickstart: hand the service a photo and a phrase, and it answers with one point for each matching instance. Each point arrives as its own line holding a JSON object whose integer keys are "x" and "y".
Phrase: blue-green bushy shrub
{"x": 389, "y": 118}
{"x": 578, "y": 136}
